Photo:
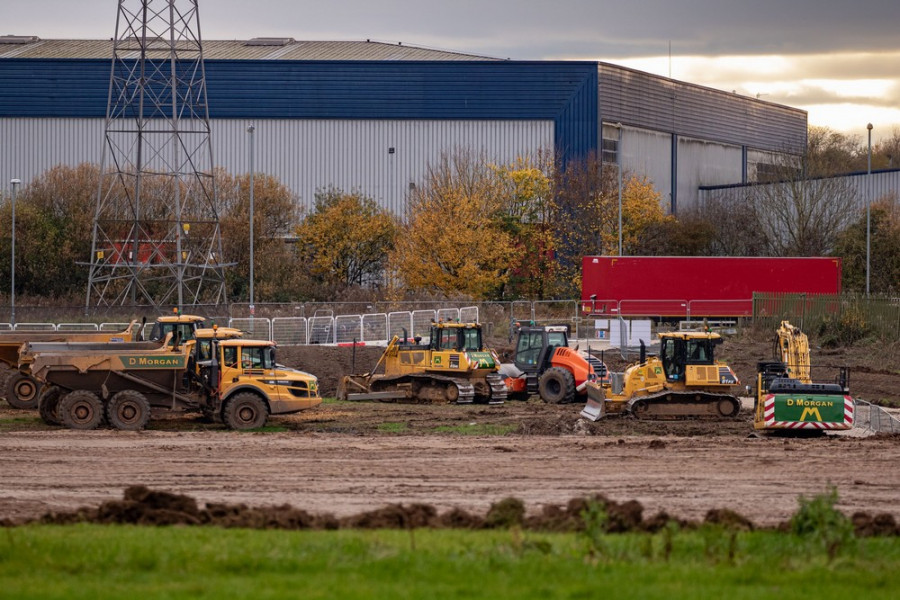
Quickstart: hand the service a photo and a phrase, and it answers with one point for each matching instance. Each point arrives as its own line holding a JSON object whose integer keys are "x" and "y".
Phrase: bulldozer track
{"x": 498, "y": 388}
{"x": 427, "y": 387}
{"x": 684, "y": 405}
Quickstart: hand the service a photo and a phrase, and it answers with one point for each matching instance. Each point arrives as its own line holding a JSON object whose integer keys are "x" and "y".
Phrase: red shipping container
{"x": 698, "y": 286}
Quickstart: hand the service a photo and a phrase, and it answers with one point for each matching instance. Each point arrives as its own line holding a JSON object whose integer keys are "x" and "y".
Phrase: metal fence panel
{"x": 421, "y": 321}
{"x": 398, "y": 322}
{"x": 34, "y": 327}
{"x": 375, "y": 328}
{"x": 348, "y": 328}
{"x": 253, "y": 328}
{"x": 289, "y": 331}
{"x": 80, "y": 326}
{"x": 113, "y": 326}
{"x": 468, "y": 314}
{"x": 321, "y": 330}
{"x": 448, "y": 314}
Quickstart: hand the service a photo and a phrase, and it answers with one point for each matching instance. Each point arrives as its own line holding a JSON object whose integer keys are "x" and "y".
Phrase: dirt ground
{"x": 346, "y": 458}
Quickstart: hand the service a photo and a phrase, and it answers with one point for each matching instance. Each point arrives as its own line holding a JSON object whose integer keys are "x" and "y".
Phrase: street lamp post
{"x": 250, "y": 131}
{"x": 619, "y": 165}
{"x": 12, "y": 273}
{"x": 869, "y": 212}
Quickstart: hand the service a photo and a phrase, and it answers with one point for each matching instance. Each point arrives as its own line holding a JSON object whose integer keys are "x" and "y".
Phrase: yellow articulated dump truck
{"x": 233, "y": 380}
{"x": 21, "y": 390}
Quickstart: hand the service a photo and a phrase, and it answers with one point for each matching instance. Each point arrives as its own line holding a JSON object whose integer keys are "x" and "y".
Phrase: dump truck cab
{"x": 245, "y": 384}
{"x": 180, "y": 326}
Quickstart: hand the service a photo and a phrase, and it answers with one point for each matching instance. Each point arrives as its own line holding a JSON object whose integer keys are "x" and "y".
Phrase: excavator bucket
{"x": 594, "y": 409}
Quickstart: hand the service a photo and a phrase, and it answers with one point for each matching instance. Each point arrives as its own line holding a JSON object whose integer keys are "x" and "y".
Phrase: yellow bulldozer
{"x": 684, "y": 381}
{"x": 453, "y": 367}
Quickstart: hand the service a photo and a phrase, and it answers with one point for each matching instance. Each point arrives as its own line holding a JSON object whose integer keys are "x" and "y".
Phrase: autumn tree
{"x": 453, "y": 243}
{"x": 54, "y": 217}
{"x": 526, "y": 209}
{"x": 278, "y": 276}
{"x": 345, "y": 240}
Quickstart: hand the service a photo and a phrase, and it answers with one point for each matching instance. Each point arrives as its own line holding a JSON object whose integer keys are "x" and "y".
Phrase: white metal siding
{"x": 705, "y": 163}
{"x": 649, "y": 154}
{"x": 305, "y": 155}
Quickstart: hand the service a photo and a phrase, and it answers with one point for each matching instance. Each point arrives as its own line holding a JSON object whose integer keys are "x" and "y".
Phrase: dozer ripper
{"x": 454, "y": 367}
{"x": 685, "y": 381}
{"x": 786, "y": 397}
{"x": 544, "y": 364}
{"x": 233, "y": 380}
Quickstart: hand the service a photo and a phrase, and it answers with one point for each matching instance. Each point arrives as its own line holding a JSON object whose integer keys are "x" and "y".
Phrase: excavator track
{"x": 684, "y": 405}
{"x": 498, "y": 388}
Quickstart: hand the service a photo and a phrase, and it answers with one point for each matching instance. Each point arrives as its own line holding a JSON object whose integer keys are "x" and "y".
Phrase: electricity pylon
{"x": 156, "y": 234}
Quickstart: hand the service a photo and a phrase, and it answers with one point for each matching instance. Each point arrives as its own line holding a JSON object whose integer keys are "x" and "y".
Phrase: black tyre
{"x": 128, "y": 410}
{"x": 48, "y": 405}
{"x": 81, "y": 409}
{"x": 557, "y": 386}
{"x": 22, "y": 391}
{"x": 245, "y": 411}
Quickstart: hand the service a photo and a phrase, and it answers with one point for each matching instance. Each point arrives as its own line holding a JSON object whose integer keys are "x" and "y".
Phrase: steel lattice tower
{"x": 156, "y": 235}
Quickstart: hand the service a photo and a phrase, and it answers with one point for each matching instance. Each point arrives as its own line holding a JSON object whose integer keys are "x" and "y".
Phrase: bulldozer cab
{"x": 535, "y": 347}
{"x": 459, "y": 338}
{"x": 678, "y": 352}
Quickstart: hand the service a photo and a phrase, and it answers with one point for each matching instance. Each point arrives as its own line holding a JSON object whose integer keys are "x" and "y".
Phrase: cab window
{"x": 448, "y": 339}
{"x": 256, "y": 358}
{"x": 471, "y": 339}
{"x": 230, "y": 356}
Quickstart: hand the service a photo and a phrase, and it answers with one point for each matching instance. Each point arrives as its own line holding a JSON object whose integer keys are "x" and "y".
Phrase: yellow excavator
{"x": 786, "y": 397}
{"x": 453, "y": 367}
{"x": 684, "y": 381}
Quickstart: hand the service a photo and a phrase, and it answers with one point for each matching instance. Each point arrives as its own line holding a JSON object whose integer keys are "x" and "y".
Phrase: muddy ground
{"x": 347, "y": 458}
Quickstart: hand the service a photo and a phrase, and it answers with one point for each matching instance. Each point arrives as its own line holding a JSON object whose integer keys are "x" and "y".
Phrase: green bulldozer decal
{"x": 485, "y": 360}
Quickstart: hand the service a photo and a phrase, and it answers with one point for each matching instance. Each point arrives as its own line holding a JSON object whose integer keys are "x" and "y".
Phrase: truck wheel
{"x": 22, "y": 391}
{"x": 48, "y": 405}
{"x": 557, "y": 386}
{"x": 128, "y": 410}
{"x": 245, "y": 411}
{"x": 81, "y": 409}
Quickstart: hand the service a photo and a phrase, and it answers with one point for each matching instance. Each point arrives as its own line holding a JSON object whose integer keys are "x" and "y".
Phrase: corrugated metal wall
{"x": 705, "y": 163}
{"x": 305, "y": 155}
{"x": 562, "y": 92}
{"x": 645, "y": 100}
{"x": 855, "y": 187}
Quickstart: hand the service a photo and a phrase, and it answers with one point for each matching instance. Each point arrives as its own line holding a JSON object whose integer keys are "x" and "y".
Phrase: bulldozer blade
{"x": 594, "y": 409}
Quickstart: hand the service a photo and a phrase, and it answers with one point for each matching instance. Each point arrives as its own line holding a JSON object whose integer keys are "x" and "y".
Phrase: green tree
{"x": 885, "y": 249}
{"x": 344, "y": 242}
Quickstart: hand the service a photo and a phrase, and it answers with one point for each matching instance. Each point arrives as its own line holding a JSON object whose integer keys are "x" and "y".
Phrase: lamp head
{"x": 869, "y": 127}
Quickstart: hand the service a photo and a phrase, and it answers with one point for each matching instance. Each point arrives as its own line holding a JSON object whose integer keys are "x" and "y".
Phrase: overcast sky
{"x": 838, "y": 60}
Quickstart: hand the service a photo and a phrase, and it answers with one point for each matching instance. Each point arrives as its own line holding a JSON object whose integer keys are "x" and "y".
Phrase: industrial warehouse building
{"x": 371, "y": 117}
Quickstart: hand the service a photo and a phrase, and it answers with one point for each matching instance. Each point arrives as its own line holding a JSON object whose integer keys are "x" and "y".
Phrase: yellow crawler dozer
{"x": 685, "y": 381}
{"x": 453, "y": 367}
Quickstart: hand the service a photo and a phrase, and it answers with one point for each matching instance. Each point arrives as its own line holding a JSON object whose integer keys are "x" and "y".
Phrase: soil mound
{"x": 142, "y": 506}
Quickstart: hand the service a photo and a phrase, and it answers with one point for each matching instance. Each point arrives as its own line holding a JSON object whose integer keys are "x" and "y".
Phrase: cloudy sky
{"x": 839, "y": 60}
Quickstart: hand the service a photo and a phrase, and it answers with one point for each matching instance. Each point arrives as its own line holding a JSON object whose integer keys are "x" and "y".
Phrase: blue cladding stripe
{"x": 565, "y": 92}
